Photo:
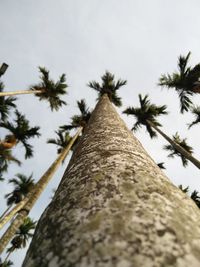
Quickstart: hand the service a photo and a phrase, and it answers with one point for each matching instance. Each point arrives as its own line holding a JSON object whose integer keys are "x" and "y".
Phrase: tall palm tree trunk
{"x": 114, "y": 207}
{"x": 21, "y": 92}
{"x": 4, "y": 213}
{"x": 33, "y": 196}
{"x": 7, "y": 256}
{"x": 177, "y": 146}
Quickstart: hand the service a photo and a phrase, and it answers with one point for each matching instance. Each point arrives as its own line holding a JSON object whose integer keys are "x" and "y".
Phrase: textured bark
{"x": 115, "y": 208}
{"x": 21, "y": 92}
{"x": 33, "y": 196}
{"x": 177, "y": 146}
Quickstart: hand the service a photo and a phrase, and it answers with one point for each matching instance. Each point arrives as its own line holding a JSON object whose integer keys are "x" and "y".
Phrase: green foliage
{"x": 174, "y": 152}
{"x": 6, "y": 263}
{"x": 23, "y": 234}
{"x": 62, "y": 140}
{"x": 194, "y": 195}
{"x": 21, "y": 132}
{"x": 196, "y": 111}
{"x": 51, "y": 91}
{"x": 109, "y": 87}
{"x": 6, "y": 157}
{"x": 185, "y": 81}
{"x": 78, "y": 120}
{"x": 6, "y": 103}
{"x": 146, "y": 113}
{"x": 22, "y": 186}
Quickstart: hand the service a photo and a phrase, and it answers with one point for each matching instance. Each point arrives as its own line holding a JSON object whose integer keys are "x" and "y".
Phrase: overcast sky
{"x": 137, "y": 40}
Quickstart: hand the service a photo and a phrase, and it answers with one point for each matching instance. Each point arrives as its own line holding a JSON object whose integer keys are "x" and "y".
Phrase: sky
{"x": 137, "y": 40}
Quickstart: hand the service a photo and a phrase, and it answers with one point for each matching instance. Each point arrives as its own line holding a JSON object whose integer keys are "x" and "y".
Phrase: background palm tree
{"x": 196, "y": 112}
{"x": 22, "y": 236}
{"x": 194, "y": 195}
{"x": 6, "y": 158}
{"x": 78, "y": 120}
{"x": 185, "y": 81}
{"x": 6, "y": 263}
{"x": 146, "y": 113}
{"x": 109, "y": 87}
{"x": 21, "y": 132}
{"x": 22, "y": 186}
{"x": 62, "y": 140}
{"x": 47, "y": 89}
{"x": 6, "y": 103}
{"x": 175, "y": 152}
{"x": 23, "y": 207}
{"x": 50, "y": 90}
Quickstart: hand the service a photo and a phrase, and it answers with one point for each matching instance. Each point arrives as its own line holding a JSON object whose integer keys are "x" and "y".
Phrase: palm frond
{"x": 196, "y": 111}
{"x": 51, "y": 91}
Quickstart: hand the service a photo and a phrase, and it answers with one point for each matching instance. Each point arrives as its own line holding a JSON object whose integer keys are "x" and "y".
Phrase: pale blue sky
{"x": 137, "y": 40}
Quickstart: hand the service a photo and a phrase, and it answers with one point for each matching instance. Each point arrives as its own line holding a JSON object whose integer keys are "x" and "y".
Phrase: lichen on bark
{"x": 115, "y": 207}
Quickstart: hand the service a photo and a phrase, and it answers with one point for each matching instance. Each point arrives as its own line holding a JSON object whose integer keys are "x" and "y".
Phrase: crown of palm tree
{"x": 21, "y": 132}
{"x": 146, "y": 113}
{"x": 109, "y": 87}
{"x": 23, "y": 234}
{"x": 196, "y": 111}
{"x": 6, "y": 157}
{"x": 185, "y": 81}
{"x": 194, "y": 195}
{"x": 6, "y": 103}
{"x": 6, "y": 263}
{"x": 22, "y": 186}
{"x": 51, "y": 90}
{"x": 78, "y": 120}
{"x": 174, "y": 152}
{"x": 62, "y": 140}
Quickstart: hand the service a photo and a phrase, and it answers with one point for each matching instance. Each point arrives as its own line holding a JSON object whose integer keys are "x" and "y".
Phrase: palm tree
{"x": 23, "y": 207}
{"x": 6, "y": 157}
{"x": 6, "y": 263}
{"x": 114, "y": 207}
{"x": 109, "y": 87}
{"x": 194, "y": 195}
{"x": 175, "y": 152}
{"x": 147, "y": 115}
{"x": 196, "y": 111}
{"x": 6, "y": 104}
{"x": 22, "y": 186}
{"x": 185, "y": 81}
{"x": 47, "y": 89}
{"x": 78, "y": 120}
{"x": 22, "y": 236}
{"x": 20, "y": 132}
{"x": 62, "y": 140}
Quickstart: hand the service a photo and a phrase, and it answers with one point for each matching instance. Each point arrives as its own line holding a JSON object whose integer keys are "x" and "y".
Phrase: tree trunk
{"x": 114, "y": 207}
{"x": 33, "y": 196}
{"x": 21, "y": 92}
{"x": 177, "y": 146}
{"x": 4, "y": 213}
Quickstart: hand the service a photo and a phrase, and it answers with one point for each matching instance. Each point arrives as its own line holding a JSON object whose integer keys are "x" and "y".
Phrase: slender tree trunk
{"x": 114, "y": 207}
{"x": 33, "y": 196}
{"x": 177, "y": 146}
{"x": 7, "y": 256}
{"x": 4, "y": 213}
{"x": 21, "y": 92}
